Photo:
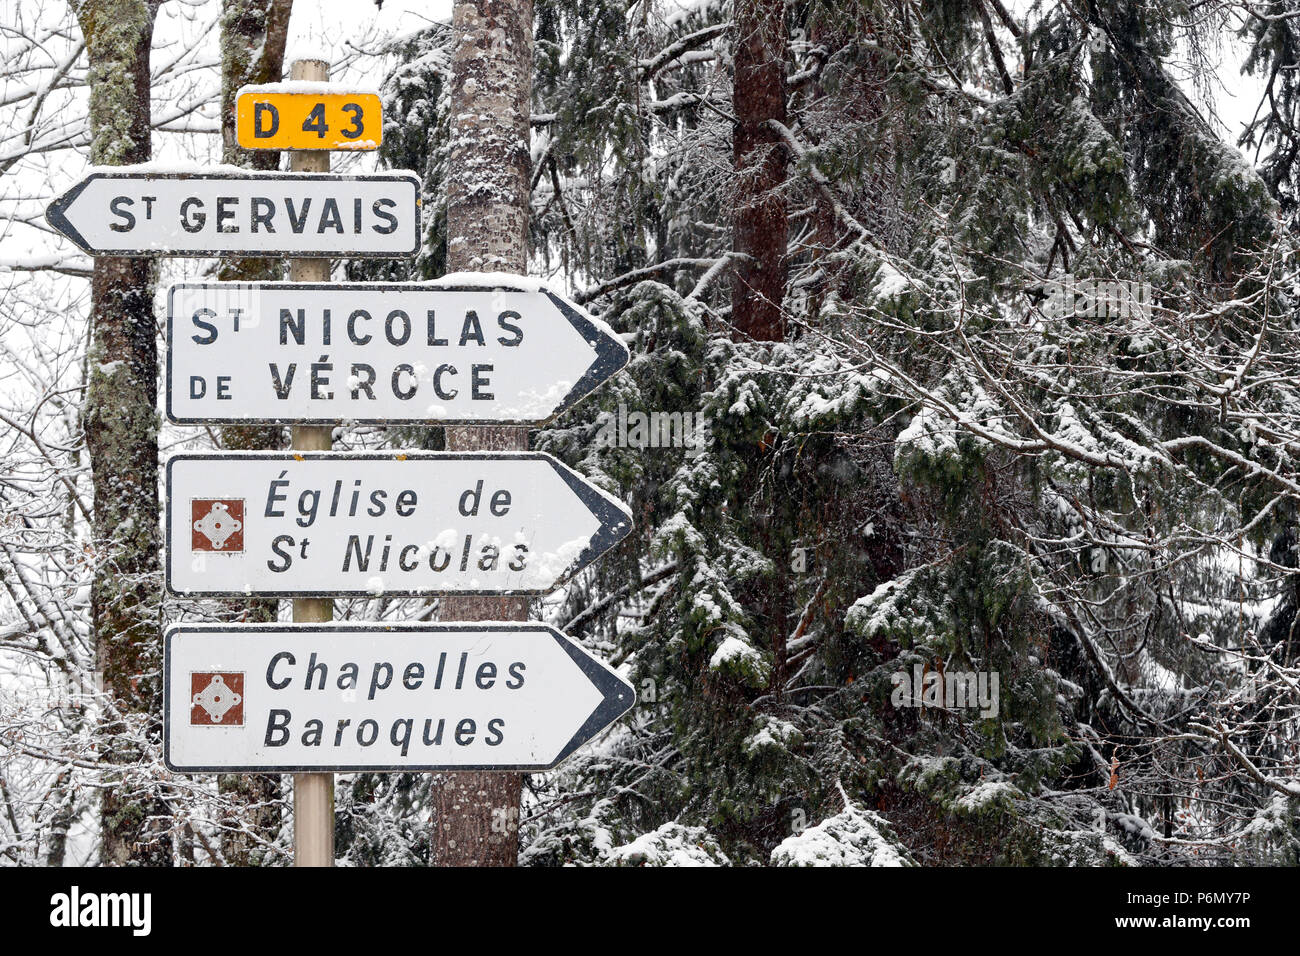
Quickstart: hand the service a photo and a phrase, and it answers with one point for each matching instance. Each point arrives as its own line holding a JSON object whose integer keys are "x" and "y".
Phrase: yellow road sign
{"x": 269, "y": 119}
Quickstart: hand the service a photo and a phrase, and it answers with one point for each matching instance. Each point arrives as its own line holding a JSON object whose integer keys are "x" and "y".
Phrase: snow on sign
{"x": 119, "y": 212}
{"x": 341, "y": 697}
{"x": 306, "y": 115}
{"x": 318, "y": 524}
{"x": 449, "y": 351}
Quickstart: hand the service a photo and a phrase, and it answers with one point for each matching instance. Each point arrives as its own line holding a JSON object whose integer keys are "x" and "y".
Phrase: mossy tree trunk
{"x": 121, "y": 426}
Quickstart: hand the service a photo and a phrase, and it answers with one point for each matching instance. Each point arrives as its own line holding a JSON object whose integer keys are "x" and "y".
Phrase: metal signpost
{"x": 313, "y": 697}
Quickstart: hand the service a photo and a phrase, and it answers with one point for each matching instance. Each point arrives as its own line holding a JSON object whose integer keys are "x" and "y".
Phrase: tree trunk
{"x": 64, "y": 817}
{"x": 253, "y": 35}
{"x": 759, "y": 230}
{"x": 122, "y": 438}
{"x": 476, "y": 815}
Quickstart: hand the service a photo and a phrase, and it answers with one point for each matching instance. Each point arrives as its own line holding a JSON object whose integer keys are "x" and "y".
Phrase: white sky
{"x": 329, "y": 24}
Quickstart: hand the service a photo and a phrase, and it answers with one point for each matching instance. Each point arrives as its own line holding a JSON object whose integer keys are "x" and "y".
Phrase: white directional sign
{"x": 447, "y": 351}
{"x": 317, "y": 524}
{"x": 231, "y": 212}
{"x": 338, "y": 697}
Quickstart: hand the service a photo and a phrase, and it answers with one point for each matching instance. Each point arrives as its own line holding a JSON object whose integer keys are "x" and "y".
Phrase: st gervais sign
{"x": 231, "y": 212}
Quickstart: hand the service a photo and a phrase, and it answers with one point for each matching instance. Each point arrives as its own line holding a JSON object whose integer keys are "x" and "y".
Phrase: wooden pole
{"x": 313, "y": 793}
{"x": 476, "y": 814}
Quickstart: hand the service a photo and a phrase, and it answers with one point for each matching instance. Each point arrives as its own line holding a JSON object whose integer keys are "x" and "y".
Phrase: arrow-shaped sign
{"x": 322, "y": 524}
{"x": 143, "y": 213}
{"x": 339, "y": 697}
{"x": 449, "y": 351}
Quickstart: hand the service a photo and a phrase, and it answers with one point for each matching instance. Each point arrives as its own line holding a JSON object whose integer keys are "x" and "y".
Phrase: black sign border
{"x": 615, "y": 520}
{"x": 602, "y": 676}
{"x": 612, "y": 356}
{"x": 56, "y": 215}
